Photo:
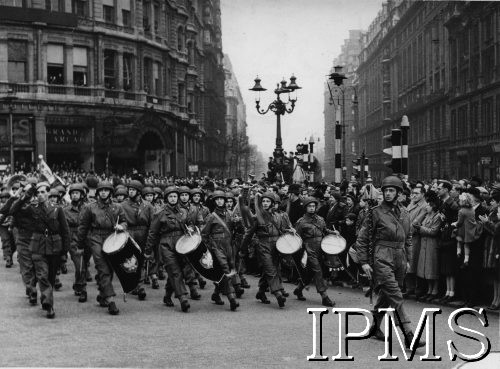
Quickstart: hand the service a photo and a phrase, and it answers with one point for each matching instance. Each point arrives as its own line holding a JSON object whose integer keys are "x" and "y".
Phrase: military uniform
{"x": 72, "y": 212}
{"x": 97, "y": 222}
{"x": 166, "y": 229}
{"x": 49, "y": 240}
{"x": 6, "y": 235}
{"x": 139, "y": 215}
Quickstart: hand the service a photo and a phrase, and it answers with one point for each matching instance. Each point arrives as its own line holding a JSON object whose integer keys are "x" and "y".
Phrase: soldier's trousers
{"x": 46, "y": 271}
{"x": 174, "y": 264}
{"x": 80, "y": 262}
{"x": 223, "y": 251}
{"x": 314, "y": 268}
{"x": 104, "y": 270}
{"x": 389, "y": 268}
{"x": 269, "y": 260}
{"x": 24, "y": 258}
{"x": 8, "y": 243}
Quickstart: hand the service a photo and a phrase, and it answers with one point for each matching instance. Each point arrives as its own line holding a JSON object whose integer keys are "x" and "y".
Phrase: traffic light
{"x": 394, "y": 150}
{"x": 302, "y": 149}
{"x": 356, "y": 168}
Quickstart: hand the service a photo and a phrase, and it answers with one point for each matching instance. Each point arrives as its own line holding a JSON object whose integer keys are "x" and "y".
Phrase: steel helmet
{"x": 392, "y": 181}
{"x": 229, "y": 195}
{"x": 171, "y": 189}
{"x": 104, "y": 185}
{"x": 120, "y": 190}
{"x": 269, "y": 195}
{"x": 135, "y": 184}
{"x": 308, "y": 200}
{"x": 158, "y": 191}
{"x": 184, "y": 189}
{"x": 148, "y": 190}
{"x": 219, "y": 194}
{"x": 196, "y": 190}
{"x": 54, "y": 192}
{"x": 76, "y": 187}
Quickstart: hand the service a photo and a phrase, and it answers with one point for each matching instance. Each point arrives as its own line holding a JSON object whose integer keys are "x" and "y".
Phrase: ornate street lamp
{"x": 278, "y": 107}
{"x": 338, "y": 79}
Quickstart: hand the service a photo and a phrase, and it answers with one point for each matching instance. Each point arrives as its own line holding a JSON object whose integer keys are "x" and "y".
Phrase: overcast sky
{"x": 275, "y": 38}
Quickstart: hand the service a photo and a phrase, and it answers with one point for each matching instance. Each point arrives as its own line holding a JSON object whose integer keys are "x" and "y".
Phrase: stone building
{"x": 113, "y": 84}
{"x": 237, "y": 155}
{"x": 438, "y": 63}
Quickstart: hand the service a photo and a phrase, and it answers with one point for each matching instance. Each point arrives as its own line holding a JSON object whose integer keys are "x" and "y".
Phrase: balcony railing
{"x": 19, "y": 87}
{"x": 56, "y": 89}
{"x": 83, "y": 91}
{"x": 112, "y": 93}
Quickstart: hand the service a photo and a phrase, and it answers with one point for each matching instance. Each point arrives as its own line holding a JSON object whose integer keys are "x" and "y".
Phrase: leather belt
{"x": 391, "y": 244}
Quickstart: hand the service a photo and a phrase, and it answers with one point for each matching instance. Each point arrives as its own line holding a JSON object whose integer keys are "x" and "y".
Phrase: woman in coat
{"x": 428, "y": 261}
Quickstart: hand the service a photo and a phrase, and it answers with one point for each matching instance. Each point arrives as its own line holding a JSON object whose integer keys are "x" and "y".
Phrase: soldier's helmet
{"x": 121, "y": 191}
{"x": 171, "y": 189}
{"x": 229, "y": 195}
{"x": 308, "y": 200}
{"x": 148, "y": 190}
{"x": 219, "y": 194}
{"x": 77, "y": 187}
{"x": 135, "y": 184}
{"x": 197, "y": 190}
{"x": 158, "y": 191}
{"x": 269, "y": 195}
{"x": 184, "y": 189}
{"x": 54, "y": 193}
{"x": 105, "y": 185}
{"x": 392, "y": 181}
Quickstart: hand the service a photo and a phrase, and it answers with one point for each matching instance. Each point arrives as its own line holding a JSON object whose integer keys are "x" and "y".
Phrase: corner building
{"x": 438, "y": 63}
{"x": 113, "y": 84}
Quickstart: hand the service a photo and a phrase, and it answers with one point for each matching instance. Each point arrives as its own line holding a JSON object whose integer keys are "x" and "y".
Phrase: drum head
{"x": 187, "y": 243}
{"x": 333, "y": 244}
{"x": 115, "y": 242}
{"x": 289, "y": 244}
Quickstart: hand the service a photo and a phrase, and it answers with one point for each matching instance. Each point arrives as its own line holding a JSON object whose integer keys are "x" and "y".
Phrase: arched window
{"x": 190, "y": 49}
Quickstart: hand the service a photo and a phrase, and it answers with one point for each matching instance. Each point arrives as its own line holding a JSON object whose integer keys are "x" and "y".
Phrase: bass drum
{"x": 125, "y": 257}
{"x": 333, "y": 244}
{"x": 200, "y": 257}
{"x": 290, "y": 246}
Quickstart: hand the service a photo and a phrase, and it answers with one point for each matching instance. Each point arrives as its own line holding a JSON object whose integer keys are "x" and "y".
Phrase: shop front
{"x": 23, "y": 138}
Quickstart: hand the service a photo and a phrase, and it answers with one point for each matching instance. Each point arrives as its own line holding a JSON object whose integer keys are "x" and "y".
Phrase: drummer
{"x": 167, "y": 227}
{"x": 97, "y": 221}
{"x": 311, "y": 228}
{"x": 139, "y": 215}
{"x": 217, "y": 233}
{"x": 268, "y": 226}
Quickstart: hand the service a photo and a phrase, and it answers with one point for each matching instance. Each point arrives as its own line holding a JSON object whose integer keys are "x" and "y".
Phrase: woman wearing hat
{"x": 311, "y": 227}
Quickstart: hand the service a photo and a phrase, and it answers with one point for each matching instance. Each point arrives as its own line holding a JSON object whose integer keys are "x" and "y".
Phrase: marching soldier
{"x": 121, "y": 194}
{"x": 23, "y": 229}
{"x": 167, "y": 227}
{"x": 218, "y": 234}
{"x": 268, "y": 226}
{"x": 97, "y": 221}
{"x": 198, "y": 214}
{"x": 388, "y": 228}
{"x": 139, "y": 215}
{"x": 50, "y": 239}
{"x": 8, "y": 243}
{"x": 311, "y": 227}
{"x": 72, "y": 213}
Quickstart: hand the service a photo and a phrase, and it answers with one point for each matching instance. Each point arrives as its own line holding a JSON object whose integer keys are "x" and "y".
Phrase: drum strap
{"x": 223, "y": 223}
{"x": 274, "y": 224}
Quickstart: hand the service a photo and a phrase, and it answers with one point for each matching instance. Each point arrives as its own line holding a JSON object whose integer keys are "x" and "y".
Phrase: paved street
{"x": 148, "y": 334}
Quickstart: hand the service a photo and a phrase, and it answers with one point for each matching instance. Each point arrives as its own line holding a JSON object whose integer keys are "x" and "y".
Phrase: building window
{"x": 80, "y": 8}
{"x": 127, "y": 72}
{"x": 109, "y": 13}
{"x": 55, "y": 5}
{"x": 157, "y": 17}
{"x": 181, "y": 95}
{"x": 191, "y": 52}
{"x": 55, "y": 64}
{"x": 146, "y": 18}
{"x": 156, "y": 78}
{"x": 148, "y": 66}
{"x": 487, "y": 106}
{"x": 126, "y": 18}
{"x": 80, "y": 65}
{"x": 180, "y": 39}
{"x": 109, "y": 69}
{"x": 17, "y": 54}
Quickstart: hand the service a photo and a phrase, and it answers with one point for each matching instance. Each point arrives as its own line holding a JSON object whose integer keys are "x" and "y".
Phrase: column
{"x": 40, "y": 137}
{"x": 119, "y": 64}
{"x": 31, "y": 61}
{"x": 68, "y": 68}
{"x": 4, "y": 60}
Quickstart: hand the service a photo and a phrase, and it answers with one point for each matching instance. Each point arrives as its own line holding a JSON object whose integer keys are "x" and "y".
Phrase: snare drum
{"x": 125, "y": 257}
{"x": 333, "y": 244}
{"x": 290, "y": 244}
{"x": 200, "y": 257}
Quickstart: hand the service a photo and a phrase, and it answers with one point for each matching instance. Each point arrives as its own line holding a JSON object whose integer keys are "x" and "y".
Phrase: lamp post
{"x": 10, "y": 98}
{"x": 338, "y": 79}
{"x": 278, "y": 107}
